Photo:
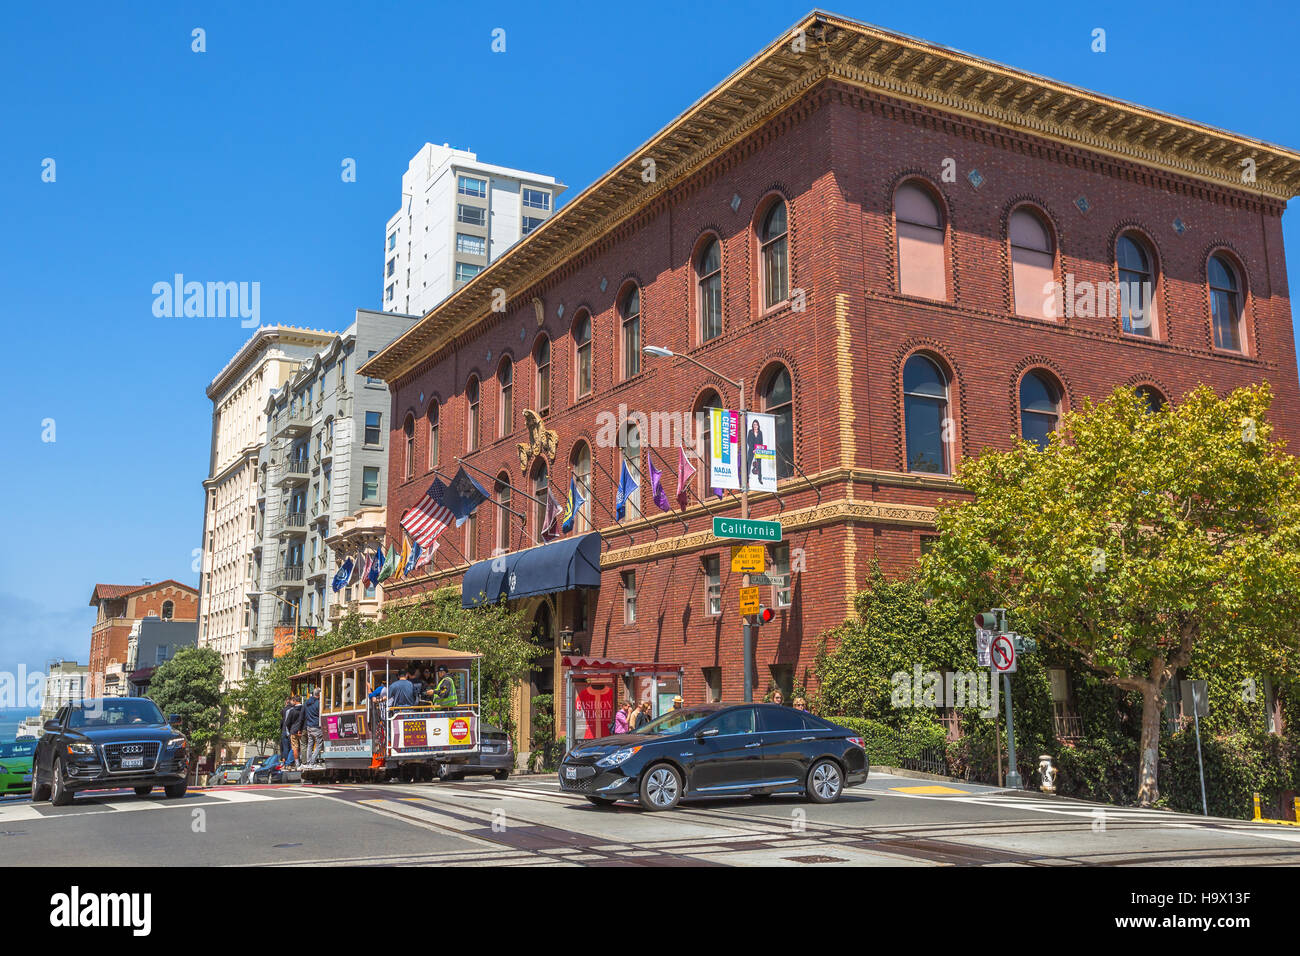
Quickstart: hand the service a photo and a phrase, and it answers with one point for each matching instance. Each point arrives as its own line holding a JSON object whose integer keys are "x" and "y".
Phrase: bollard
{"x": 1257, "y": 816}
{"x": 1296, "y": 808}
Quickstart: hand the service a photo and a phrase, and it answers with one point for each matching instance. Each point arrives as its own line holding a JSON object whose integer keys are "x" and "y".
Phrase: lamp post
{"x": 746, "y": 628}
{"x": 286, "y": 604}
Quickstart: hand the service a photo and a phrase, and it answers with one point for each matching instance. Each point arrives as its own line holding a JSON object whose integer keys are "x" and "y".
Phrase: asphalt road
{"x": 527, "y": 821}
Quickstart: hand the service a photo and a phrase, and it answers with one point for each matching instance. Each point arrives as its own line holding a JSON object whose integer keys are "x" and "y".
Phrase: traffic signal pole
{"x": 748, "y": 633}
{"x": 1013, "y": 775}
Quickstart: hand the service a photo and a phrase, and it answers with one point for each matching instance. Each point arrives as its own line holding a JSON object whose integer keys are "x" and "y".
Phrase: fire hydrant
{"x": 1048, "y": 773}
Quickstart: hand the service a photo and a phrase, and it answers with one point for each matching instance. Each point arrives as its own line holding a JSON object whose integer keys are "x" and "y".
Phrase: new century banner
{"x": 724, "y": 451}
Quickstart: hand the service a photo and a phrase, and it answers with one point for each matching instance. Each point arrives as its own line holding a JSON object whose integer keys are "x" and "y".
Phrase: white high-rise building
{"x": 457, "y": 215}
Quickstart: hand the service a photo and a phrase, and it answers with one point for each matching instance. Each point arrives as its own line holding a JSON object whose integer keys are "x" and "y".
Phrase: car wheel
{"x": 175, "y": 791}
{"x": 40, "y": 791}
{"x": 501, "y": 774}
{"x": 60, "y": 795}
{"x": 661, "y": 787}
{"x": 143, "y": 791}
{"x": 825, "y": 782}
{"x": 446, "y": 773}
{"x": 601, "y": 801}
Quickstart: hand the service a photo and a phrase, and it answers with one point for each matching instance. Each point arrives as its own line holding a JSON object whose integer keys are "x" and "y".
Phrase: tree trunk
{"x": 1149, "y": 751}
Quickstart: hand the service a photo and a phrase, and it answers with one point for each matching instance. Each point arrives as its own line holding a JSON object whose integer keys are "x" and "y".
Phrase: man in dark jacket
{"x": 295, "y": 719}
{"x": 311, "y": 723}
{"x": 286, "y": 745}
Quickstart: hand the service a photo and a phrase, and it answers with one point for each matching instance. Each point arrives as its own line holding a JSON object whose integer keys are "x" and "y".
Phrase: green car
{"x": 16, "y": 765}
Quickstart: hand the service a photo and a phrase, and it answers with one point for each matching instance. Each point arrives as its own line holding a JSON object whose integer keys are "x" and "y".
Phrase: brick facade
{"x": 836, "y": 155}
{"x": 121, "y": 606}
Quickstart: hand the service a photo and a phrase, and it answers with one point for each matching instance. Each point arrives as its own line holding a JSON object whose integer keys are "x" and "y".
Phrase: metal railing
{"x": 295, "y": 519}
{"x": 291, "y": 573}
{"x": 1068, "y": 726}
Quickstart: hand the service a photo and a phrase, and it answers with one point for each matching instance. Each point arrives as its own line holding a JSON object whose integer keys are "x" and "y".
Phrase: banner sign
{"x": 344, "y": 725}
{"x": 454, "y": 732}
{"x": 760, "y": 451}
{"x": 724, "y": 450}
{"x": 282, "y": 638}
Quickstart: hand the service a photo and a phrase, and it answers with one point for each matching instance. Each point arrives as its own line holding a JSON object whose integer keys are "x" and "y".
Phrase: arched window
{"x": 580, "y": 466}
{"x": 630, "y": 449}
{"x": 704, "y": 451}
{"x": 540, "y": 484}
{"x": 472, "y": 417}
{"x": 1136, "y": 267}
{"x": 542, "y": 362}
{"x": 925, "y": 415}
{"x": 1151, "y": 397}
{"x": 1032, "y": 266}
{"x": 1225, "y": 303}
{"x": 433, "y": 435}
{"x": 582, "y": 355}
{"x": 774, "y": 259}
{"x": 922, "y": 266}
{"x": 778, "y": 400}
{"x": 408, "y": 434}
{"x": 708, "y": 278}
{"x": 168, "y": 609}
{"x": 502, "y": 490}
{"x": 629, "y": 312}
{"x": 1040, "y": 408}
{"x": 505, "y": 409}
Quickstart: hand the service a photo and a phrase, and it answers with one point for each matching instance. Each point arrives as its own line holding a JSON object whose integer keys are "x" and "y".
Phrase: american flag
{"x": 429, "y": 518}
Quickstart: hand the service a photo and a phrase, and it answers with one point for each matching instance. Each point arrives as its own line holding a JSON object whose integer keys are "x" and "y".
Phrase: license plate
{"x": 132, "y": 763}
{"x": 570, "y": 773}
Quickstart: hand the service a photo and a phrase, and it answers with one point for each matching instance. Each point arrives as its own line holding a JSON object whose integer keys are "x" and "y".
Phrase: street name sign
{"x": 748, "y": 559}
{"x": 747, "y": 529}
{"x": 748, "y": 601}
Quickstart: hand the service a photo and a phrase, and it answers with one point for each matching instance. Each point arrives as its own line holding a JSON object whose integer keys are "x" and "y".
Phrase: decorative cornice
{"x": 887, "y": 65}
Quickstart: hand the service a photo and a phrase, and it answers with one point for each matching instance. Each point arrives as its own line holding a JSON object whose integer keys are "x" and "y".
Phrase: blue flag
{"x": 415, "y": 556}
{"x": 626, "y": 486}
{"x": 341, "y": 577}
{"x": 463, "y": 496}
{"x": 373, "y": 577}
{"x": 572, "y": 506}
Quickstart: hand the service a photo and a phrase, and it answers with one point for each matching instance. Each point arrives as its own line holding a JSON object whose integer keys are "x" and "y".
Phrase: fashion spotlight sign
{"x": 737, "y": 448}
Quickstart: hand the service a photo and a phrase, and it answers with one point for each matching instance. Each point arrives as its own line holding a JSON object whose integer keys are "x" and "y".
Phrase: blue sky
{"x": 225, "y": 165}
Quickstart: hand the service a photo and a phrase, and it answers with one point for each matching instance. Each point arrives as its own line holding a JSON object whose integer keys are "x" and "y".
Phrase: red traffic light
{"x": 765, "y": 614}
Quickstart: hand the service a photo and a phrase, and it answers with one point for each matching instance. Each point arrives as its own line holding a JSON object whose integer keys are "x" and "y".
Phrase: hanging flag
{"x": 390, "y": 565}
{"x": 551, "y": 524}
{"x": 573, "y": 506}
{"x": 626, "y": 486}
{"x": 685, "y": 472}
{"x": 341, "y": 577}
{"x": 657, "y": 488}
{"x": 411, "y": 561}
{"x": 370, "y": 563}
{"x": 425, "y": 556}
{"x": 376, "y": 565}
{"x": 463, "y": 496}
{"x": 429, "y": 518}
{"x": 355, "y": 576}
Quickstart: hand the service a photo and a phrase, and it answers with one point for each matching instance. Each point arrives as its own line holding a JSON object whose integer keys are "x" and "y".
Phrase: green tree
{"x": 1135, "y": 539}
{"x": 255, "y": 705}
{"x": 190, "y": 685}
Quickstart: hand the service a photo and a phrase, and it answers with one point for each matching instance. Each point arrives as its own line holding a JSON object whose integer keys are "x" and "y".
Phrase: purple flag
{"x": 551, "y": 523}
{"x": 685, "y": 471}
{"x": 657, "y": 489}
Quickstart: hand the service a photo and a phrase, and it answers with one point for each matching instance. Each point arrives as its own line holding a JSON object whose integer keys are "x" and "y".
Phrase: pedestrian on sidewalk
{"x": 778, "y": 697}
{"x": 643, "y": 716}
{"x": 311, "y": 721}
{"x": 621, "y": 718}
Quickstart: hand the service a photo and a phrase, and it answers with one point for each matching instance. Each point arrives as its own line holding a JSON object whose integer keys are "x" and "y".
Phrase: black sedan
{"x": 718, "y": 750}
{"x": 103, "y": 743}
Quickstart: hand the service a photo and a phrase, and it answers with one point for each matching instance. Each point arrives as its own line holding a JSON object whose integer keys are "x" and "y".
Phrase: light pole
{"x": 746, "y": 628}
{"x": 286, "y": 604}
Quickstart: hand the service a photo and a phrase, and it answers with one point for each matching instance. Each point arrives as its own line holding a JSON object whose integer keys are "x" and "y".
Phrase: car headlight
{"x": 79, "y": 747}
{"x": 616, "y": 758}
{"x": 3, "y": 768}
{"x": 176, "y": 742}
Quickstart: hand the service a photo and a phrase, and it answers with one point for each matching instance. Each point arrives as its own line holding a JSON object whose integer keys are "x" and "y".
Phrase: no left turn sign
{"x": 1003, "y": 655}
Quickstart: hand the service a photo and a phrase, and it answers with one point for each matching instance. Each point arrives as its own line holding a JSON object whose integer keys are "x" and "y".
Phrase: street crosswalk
{"x": 124, "y": 801}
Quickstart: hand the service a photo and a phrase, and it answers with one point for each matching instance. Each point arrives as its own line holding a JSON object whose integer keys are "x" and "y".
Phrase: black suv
{"x": 718, "y": 750}
{"x": 108, "y": 742}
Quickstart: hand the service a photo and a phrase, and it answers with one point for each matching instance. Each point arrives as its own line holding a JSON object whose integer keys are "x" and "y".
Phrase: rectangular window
{"x": 392, "y": 267}
{"x": 782, "y": 592}
{"x": 471, "y": 537}
{"x": 466, "y": 271}
{"x": 536, "y": 199}
{"x": 471, "y": 245}
{"x": 373, "y": 421}
{"x": 372, "y": 381}
{"x": 370, "y": 483}
{"x": 712, "y": 585}
{"x": 469, "y": 186}
{"x": 471, "y": 215}
{"x": 530, "y": 223}
{"x": 388, "y": 293}
{"x": 629, "y": 597}
{"x": 392, "y": 242}
{"x": 713, "y": 684}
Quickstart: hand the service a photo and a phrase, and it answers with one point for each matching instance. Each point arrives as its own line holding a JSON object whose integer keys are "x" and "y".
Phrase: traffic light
{"x": 1023, "y": 645}
{"x": 765, "y": 614}
{"x": 987, "y": 621}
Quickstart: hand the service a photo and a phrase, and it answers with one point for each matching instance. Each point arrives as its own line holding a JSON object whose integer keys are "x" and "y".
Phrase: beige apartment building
{"x": 230, "y": 561}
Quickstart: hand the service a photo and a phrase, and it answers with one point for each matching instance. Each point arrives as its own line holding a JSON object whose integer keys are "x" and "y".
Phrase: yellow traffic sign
{"x": 748, "y": 559}
{"x": 748, "y": 601}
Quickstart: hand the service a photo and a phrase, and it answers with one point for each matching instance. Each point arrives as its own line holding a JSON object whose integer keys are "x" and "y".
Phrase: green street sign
{"x": 747, "y": 529}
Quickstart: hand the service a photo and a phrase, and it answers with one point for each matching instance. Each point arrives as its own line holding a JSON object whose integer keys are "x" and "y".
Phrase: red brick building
{"x": 883, "y": 218}
{"x": 118, "y": 607}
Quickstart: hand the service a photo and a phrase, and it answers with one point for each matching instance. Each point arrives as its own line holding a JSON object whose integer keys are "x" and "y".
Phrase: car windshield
{"x": 18, "y": 748}
{"x": 120, "y": 712}
{"x": 676, "y": 721}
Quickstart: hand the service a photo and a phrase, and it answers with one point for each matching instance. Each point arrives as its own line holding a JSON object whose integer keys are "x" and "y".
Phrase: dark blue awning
{"x": 559, "y": 566}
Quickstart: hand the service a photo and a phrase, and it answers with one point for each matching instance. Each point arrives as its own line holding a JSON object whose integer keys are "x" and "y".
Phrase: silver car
{"x": 496, "y": 755}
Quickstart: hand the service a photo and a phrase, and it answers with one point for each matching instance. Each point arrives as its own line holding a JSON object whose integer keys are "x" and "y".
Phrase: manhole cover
{"x": 815, "y": 859}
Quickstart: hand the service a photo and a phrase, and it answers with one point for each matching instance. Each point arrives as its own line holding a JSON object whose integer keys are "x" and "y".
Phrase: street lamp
{"x": 746, "y": 628}
{"x": 286, "y": 604}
